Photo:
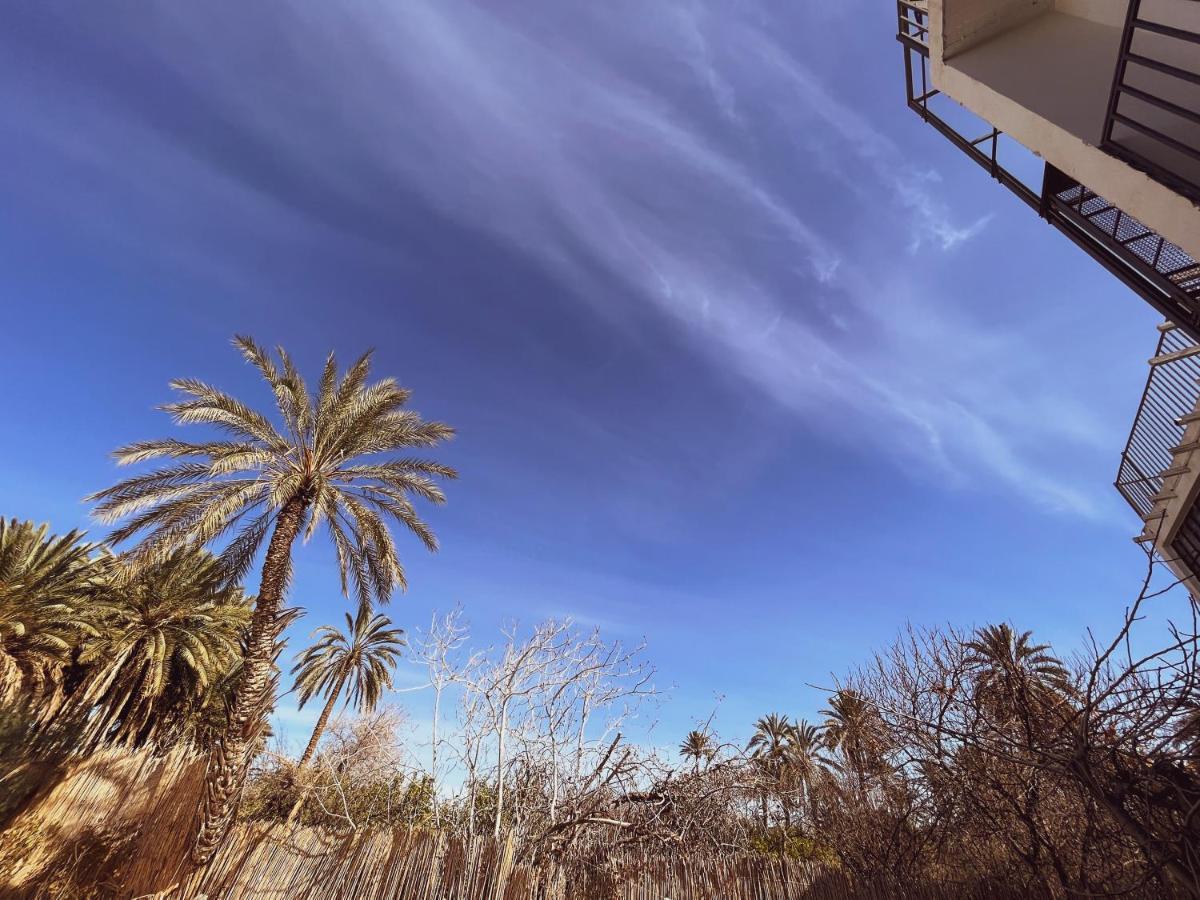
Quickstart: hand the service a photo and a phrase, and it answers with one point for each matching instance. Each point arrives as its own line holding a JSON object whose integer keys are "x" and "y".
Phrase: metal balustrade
{"x": 1170, "y": 394}
{"x": 913, "y": 28}
{"x": 1141, "y": 53}
{"x": 1168, "y": 277}
{"x": 1157, "y": 270}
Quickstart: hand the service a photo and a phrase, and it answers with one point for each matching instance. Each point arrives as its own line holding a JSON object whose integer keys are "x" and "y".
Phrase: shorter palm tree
{"x": 697, "y": 746}
{"x": 45, "y": 582}
{"x": 168, "y": 635}
{"x": 364, "y": 656}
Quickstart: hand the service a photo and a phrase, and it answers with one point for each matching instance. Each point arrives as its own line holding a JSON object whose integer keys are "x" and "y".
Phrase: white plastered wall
{"x": 986, "y": 34}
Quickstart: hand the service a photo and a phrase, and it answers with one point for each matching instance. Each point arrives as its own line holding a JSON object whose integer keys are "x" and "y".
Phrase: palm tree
{"x": 851, "y": 726}
{"x": 805, "y": 756}
{"x": 168, "y": 634}
{"x": 365, "y": 656}
{"x": 771, "y": 736}
{"x": 263, "y": 484}
{"x": 769, "y": 748}
{"x": 44, "y": 584}
{"x": 697, "y": 746}
{"x": 1010, "y": 670}
{"x": 805, "y": 763}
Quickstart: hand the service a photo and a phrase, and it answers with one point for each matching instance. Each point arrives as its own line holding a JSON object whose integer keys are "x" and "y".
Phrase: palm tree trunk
{"x": 322, "y": 722}
{"x": 311, "y": 749}
{"x": 230, "y": 758}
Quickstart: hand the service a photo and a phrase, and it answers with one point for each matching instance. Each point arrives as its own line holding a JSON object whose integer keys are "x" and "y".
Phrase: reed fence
{"x": 118, "y": 825}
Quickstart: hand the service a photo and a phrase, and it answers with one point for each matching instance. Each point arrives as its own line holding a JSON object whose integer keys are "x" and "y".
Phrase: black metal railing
{"x": 1157, "y": 270}
{"x": 919, "y": 92}
{"x": 1169, "y": 276}
{"x": 913, "y": 26}
{"x": 1141, "y": 58}
{"x": 1170, "y": 395}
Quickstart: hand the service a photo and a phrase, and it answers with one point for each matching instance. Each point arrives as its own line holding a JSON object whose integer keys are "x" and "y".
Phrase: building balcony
{"x": 1106, "y": 93}
{"x": 1044, "y": 72}
{"x": 1159, "y": 474}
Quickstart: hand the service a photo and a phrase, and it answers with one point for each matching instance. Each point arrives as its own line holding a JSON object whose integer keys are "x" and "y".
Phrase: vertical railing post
{"x": 1114, "y": 94}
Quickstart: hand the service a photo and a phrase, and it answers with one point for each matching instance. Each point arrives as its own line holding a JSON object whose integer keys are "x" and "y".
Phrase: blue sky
{"x": 743, "y": 357}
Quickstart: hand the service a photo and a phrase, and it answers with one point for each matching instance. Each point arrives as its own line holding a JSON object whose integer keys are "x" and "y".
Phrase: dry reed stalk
{"x": 107, "y": 793}
{"x": 152, "y": 800}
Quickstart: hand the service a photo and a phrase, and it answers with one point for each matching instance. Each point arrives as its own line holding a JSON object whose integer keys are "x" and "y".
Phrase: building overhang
{"x": 1042, "y": 72}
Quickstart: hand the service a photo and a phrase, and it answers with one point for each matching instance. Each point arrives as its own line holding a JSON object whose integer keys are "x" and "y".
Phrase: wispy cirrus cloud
{"x": 664, "y": 152}
{"x": 670, "y": 202}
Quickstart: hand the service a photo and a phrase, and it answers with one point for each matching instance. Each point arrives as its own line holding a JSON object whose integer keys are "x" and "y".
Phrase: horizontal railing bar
{"x": 919, "y": 9}
{"x": 1168, "y": 30}
{"x": 913, "y": 43}
{"x": 1165, "y": 68}
{"x": 1158, "y": 135}
{"x": 1066, "y": 212}
{"x": 1128, "y": 470}
{"x": 1161, "y": 104}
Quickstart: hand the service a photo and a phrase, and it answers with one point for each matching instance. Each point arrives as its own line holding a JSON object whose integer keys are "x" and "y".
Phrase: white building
{"x": 1107, "y": 94}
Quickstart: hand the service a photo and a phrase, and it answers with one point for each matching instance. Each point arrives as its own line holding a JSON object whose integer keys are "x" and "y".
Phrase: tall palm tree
{"x": 697, "y": 746}
{"x": 769, "y": 749}
{"x": 852, "y": 727}
{"x": 167, "y": 634}
{"x": 45, "y": 581}
{"x": 1011, "y": 670}
{"x": 805, "y": 756}
{"x": 364, "y": 656}
{"x": 770, "y": 740}
{"x": 263, "y": 484}
{"x": 805, "y": 762}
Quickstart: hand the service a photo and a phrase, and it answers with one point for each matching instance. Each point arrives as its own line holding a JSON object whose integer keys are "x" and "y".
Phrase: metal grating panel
{"x": 1159, "y": 272}
{"x": 1171, "y": 392}
{"x": 1179, "y": 272}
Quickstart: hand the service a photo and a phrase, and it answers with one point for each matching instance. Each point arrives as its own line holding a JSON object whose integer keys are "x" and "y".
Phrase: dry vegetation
{"x": 135, "y": 758}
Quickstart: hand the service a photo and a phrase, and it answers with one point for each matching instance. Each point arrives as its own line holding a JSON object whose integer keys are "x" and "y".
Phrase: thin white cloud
{"x": 931, "y": 217}
{"x": 560, "y": 140}
{"x": 554, "y": 148}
